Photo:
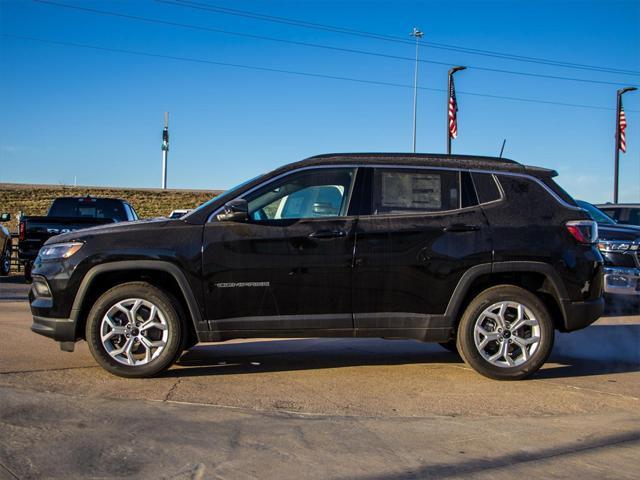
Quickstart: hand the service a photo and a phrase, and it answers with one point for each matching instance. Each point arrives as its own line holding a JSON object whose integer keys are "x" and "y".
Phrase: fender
{"x": 453, "y": 307}
{"x": 167, "y": 267}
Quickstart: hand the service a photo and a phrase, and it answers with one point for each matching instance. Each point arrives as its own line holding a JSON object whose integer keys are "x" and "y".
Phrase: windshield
{"x": 225, "y": 193}
{"x": 595, "y": 214}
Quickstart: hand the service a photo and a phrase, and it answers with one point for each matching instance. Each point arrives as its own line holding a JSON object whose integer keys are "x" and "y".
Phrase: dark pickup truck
{"x": 620, "y": 247}
{"x": 68, "y": 214}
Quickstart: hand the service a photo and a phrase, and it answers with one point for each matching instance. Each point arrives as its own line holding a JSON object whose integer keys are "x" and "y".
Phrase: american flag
{"x": 622, "y": 126}
{"x": 453, "y": 111}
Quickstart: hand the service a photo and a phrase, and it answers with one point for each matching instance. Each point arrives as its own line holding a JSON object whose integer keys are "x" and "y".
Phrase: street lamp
{"x": 449, "y": 96}
{"x": 418, "y": 35}
{"x": 619, "y": 94}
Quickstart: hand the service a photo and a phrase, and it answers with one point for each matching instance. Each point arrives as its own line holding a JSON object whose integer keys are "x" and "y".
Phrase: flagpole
{"x": 418, "y": 34}
{"x": 165, "y": 150}
{"x": 616, "y": 167}
{"x": 449, "y": 80}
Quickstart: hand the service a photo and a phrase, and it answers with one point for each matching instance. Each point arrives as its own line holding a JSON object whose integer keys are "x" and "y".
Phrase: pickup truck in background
{"x": 5, "y": 246}
{"x": 67, "y": 214}
{"x": 625, "y": 213}
{"x": 620, "y": 247}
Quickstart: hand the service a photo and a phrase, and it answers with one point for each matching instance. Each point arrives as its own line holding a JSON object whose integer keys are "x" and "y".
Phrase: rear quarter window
{"x": 486, "y": 187}
{"x": 558, "y": 190}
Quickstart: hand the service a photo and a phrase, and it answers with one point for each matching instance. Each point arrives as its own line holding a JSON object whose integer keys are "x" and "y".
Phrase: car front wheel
{"x": 134, "y": 330}
{"x": 506, "y": 333}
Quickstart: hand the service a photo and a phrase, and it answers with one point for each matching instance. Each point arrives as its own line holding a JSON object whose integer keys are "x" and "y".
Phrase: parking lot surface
{"x": 318, "y": 408}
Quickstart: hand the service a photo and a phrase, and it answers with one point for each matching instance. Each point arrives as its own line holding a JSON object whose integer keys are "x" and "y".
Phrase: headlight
{"x": 59, "y": 250}
{"x": 618, "y": 247}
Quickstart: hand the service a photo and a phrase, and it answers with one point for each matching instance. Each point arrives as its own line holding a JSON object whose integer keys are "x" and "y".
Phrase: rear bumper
{"x": 582, "y": 314}
{"x": 622, "y": 280}
{"x": 59, "y": 329}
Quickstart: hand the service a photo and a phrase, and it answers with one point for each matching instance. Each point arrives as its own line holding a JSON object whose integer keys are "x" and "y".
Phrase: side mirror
{"x": 5, "y": 217}
{"x": 234, "y": 211}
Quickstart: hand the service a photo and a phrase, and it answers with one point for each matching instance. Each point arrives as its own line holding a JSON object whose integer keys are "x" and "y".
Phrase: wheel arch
{"x": 536, "y": 277}
{"x": 162, "y": 274}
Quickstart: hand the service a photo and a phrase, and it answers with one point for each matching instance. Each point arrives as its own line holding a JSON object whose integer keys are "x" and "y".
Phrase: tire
{"x": 451, "y": 345}
{"x": 509, "y": 353}
{"x": 5, "y": 261}
{"x": 142, "y": 348}
{"x": 27, "y": 272}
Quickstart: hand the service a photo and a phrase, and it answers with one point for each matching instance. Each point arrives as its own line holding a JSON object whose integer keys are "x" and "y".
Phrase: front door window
{"x": 309, "y": 194}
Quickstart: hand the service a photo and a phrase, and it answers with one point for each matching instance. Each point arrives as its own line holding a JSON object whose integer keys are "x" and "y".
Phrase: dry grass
{"x": 148, "y": 203}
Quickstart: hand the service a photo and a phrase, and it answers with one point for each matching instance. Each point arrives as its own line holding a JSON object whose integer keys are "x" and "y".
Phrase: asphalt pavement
{"x": 318, "y": 408}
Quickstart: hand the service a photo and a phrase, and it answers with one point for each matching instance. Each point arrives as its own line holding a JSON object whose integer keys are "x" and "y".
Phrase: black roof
{"x": 423, "y": 159}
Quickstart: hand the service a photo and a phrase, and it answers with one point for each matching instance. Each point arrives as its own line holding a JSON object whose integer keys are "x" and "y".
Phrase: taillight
{"x": 583, "y": 231}
{"x": 21, "y": 231}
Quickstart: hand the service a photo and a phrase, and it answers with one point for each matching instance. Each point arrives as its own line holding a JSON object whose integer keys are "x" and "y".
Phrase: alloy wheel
{"x": 507, "y": 334}
{"x": 134, "y": 331}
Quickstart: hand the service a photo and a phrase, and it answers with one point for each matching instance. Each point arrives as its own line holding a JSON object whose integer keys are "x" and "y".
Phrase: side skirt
{"x": 422, "y": 334}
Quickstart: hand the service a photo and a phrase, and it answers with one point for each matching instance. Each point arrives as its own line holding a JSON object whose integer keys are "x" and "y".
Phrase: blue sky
{"x": 97, "y": 115}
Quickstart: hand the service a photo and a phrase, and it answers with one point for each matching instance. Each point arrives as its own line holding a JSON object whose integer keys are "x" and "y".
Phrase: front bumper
{"x": 60, "y": 329}
{"x": 622, "y": 280}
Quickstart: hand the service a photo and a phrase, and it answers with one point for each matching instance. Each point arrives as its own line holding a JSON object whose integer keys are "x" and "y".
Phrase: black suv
{"x": 484, "y": 255}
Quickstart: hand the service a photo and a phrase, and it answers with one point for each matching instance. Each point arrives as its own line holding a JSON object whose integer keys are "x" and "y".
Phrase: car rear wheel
{"x": 506, "y": 333}
{"x": 134, "y": 330}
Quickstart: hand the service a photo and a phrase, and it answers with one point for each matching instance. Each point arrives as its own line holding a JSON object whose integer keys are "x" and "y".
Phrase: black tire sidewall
{"x": 27, "y": 272}
{"x": 164, "y": 302}
{"x": 6, "y": 259}
{"x": 465, "y": 338}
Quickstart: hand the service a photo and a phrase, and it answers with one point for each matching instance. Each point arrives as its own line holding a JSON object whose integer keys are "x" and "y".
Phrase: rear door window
{"x": 407, "y": 191}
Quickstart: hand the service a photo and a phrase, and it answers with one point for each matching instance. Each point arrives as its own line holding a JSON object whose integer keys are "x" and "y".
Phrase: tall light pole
{"x": 418, "y": 35}
{"x": 619, "y": 94}
{"x": 165, "y": 149}
{"x": 450, "y": 98}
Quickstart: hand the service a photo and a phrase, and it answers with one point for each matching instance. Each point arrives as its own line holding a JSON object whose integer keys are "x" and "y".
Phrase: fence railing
{"x": 16, "y": 266}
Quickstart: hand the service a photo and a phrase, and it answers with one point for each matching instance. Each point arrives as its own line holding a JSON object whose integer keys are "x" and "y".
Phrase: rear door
{"x": 424, "y": 229}
{"x": 289, "y": 266}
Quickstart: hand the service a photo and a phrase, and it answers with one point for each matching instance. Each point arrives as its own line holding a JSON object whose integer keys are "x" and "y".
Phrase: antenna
{"x": 502, "y": 149}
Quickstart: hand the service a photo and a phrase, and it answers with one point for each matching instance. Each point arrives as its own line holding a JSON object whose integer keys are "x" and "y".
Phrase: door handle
{"x": 322, "y": 234}
{"x": 460, "y": 227}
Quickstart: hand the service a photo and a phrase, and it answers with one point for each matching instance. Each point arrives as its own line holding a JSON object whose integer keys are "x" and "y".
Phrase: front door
{"x": 287, "y": 268}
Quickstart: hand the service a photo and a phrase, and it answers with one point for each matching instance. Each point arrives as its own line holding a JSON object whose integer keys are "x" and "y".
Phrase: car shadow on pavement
{"x": 595, "y": 351}
{"x": 305, "y": 354}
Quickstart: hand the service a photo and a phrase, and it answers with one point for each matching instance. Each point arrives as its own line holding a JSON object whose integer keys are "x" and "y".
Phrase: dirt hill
{"x": 148, "y": 202}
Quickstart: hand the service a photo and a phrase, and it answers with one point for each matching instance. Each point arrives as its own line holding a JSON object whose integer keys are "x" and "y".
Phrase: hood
{"x": 626, "y": 233}
{"x": 121, "y": 227}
